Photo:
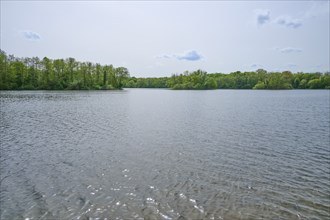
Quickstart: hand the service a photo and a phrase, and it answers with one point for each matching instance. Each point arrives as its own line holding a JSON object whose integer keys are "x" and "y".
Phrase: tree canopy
{"x": 260, "y": 79}
{"x": 57, "y": 74}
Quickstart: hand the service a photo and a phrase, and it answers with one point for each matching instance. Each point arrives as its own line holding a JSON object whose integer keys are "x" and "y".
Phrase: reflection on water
{"x": 161, "y": 154}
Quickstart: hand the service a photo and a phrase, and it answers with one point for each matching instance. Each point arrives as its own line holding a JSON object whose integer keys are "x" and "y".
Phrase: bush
{"x": 302, "y": 84}
{"x": 75, "y": 85}
{"x": 260, "y": 85}
{"x": 315, "y": 84}
{"x": 28, "y": 87}
{"x": 210, "y": 84}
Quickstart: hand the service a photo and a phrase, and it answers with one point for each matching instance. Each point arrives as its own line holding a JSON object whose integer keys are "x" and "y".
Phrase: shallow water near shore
{"x": 163, "y": 154}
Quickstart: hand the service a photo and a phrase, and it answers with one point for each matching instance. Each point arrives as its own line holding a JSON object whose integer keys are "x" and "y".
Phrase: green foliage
{"x": 58, "y": 74}
{"x": 133, "y": 82}
{"x": 28, "y": 87}
{"x": 325, "y": 80}
{"x": 260, "y": 85}
{"x": 279, "y": 81}
{"x": 210, "y": 83}
{"x": 315, "y": 84}
{"x": 303, "y": 84}
{"x": 260, "y": 79}
{"x": 296, "y": 83}
{"x": 75, "y": 85}
{"x": 195, "y": 80}
{"x": 34, "y": 73}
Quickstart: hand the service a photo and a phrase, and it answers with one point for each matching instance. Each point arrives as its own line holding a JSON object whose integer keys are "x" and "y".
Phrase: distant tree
{"x": 4, "y": 80}
{"x": 210, "y": 83}
{"x": 98, "y": 71}
{"x": 48, "y": 67}
{"x": 33, "y": 73}
{"x": 120, "y": 74}
{"x": 19, "y": 69}
{"x": 260, "y": 85}
{"x": 315, "y": 84}
{"x": 71, "y": 65}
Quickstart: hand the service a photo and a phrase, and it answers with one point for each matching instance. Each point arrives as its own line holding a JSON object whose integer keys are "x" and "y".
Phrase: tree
{"x": 98, "y": 73}
{"x": 210, "y": 83}
{"x": 4, "y": 82}
{"x": 60, "y": 79}
{"x": 120, "y": 74}
{"x": 71, "y": 65}
{"x": 47, "y": 71}
{"x": 315, "y": 84}
{"x": 260, "y": 85}
{"x": 18, "y": 69}
{"x": 33, "y": 73}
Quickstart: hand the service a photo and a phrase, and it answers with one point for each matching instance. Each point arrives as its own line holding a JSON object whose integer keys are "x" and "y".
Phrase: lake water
{"x": 162, "y": 154}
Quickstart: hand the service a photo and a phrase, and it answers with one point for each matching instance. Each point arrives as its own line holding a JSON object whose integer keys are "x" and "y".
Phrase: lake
{"x": 163, "y": 154}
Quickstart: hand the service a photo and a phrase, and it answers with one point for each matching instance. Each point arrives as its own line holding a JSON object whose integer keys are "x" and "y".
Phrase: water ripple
{"x": 161, "y": 154}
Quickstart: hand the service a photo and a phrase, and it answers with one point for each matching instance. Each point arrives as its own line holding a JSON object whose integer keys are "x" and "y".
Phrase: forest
{"x": 57, "y": 74}
{"x": 70, "y": 74}
{"x": 259, "y": 79}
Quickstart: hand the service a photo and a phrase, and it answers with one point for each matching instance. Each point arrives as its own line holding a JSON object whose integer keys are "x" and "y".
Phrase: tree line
{"x": 57, "y": 74}
{"x": 259, "y": 79}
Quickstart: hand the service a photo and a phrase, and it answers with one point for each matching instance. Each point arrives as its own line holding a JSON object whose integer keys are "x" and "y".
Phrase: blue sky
{"x": 164, "y": 37}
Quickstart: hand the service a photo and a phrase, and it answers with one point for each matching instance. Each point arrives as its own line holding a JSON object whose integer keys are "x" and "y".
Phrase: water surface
{"x": 162, "y": 154}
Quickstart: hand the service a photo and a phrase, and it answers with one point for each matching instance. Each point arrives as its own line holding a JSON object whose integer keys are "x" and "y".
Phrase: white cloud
{"x": 165, "y": 56}
{"x": 256, "y": 66}
{"x": 191, "y": 55}
{"x": 262, "y": 15}
{"x": 289, "y": 22}
{"x": 290, "y": 50}
{"x": 31, "y": 35}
